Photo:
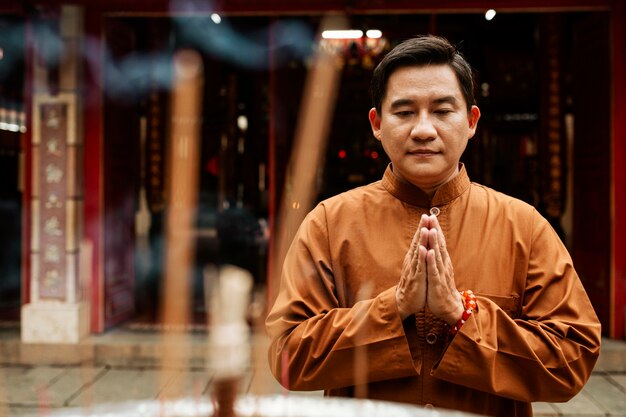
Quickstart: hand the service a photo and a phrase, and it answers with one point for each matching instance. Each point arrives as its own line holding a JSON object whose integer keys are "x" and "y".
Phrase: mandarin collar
{"x": 416, "y": 197}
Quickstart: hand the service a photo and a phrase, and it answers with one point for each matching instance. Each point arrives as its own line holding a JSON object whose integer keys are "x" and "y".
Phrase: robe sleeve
{"x": 548, "y": 353}
{"x": 314, "y": 341}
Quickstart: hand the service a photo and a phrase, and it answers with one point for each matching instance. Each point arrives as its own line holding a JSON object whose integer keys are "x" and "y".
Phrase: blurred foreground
{"x": 125, "y": 365}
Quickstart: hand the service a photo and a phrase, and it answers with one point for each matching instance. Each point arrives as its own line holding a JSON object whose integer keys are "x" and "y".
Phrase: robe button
{"x": 429, "y": 405}
{"x": 431, "y": 338}
{"x": 435, "y": 211}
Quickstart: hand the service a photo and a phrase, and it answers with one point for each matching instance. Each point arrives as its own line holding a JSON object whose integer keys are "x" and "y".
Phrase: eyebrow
{"x": 440, "y": 100}
{"x": 446, "y": 99}
{"x": 400, "y": 102}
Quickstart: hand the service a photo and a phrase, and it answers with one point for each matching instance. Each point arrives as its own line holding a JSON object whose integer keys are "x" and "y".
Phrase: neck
{"x": 431, "y": 189}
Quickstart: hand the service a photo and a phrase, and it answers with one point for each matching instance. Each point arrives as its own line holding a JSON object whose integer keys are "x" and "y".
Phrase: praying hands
{"x": 427, "y": 276}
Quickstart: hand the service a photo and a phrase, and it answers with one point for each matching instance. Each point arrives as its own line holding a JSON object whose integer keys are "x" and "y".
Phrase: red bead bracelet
{"x": 469, "y": 304}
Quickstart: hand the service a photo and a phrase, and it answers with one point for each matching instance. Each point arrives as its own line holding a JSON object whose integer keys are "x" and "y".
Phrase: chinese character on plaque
{"x": 53, "y": 201}
{"x": 54, "y": 174}
{"x": 52, "y": 254}
{"x": 52, "y": 119}
{"x": 53, "y": 147}
{"x": 52, "y": 226}
{"x": 52, "y": 279}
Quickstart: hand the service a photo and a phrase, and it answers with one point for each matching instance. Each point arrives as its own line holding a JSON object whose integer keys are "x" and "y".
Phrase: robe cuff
{"x": 450, "y": 364}
{"x": 409, "y": 350}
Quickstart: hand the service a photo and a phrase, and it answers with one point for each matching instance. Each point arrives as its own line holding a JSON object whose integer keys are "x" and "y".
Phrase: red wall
{"x": 618, "y": 255}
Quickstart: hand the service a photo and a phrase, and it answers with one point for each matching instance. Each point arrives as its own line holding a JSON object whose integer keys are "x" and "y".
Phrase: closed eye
{"x": 403, "y": 113}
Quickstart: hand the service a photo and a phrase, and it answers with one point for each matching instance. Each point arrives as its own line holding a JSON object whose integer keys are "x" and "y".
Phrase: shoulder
{"x": 340, "y": 213}
{"x": 505, "y": 210}
{"x": 350, "y": 208}
{"x": 354, "y": 199}
{"x": 481, "y": 194}
{"x": 516, "y": 212}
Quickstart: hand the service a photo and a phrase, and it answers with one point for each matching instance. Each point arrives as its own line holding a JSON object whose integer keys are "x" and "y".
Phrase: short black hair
{"x": 420, "y": 51}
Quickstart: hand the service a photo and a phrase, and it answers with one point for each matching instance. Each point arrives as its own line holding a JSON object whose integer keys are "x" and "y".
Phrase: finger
{"x": 437, "y": 226}
{"x": 415, "y": 240}
{"x": 434, "y": 245}
{"x": 406, "y": 263}
{"x": 434, "y": 221}
{"x": 431, "y": 263}
{"x": 410, "y": 259}
{"x": 422, "y": 264}
{"x": 423, "y": 224}
{"x": 415, "y": 261}
{"x": 422, "y": 276}
{"x": 444, "y": 262}
{"x": 423, "y": 241}
{"x": 445, "y": 272}
{"x": 424, "y": 237}
{"x": 409, "y": 267}
{"x": 442, "y": 240}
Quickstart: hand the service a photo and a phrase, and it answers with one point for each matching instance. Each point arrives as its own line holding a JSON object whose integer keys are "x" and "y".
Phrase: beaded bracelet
{"x": 469, "y": 304}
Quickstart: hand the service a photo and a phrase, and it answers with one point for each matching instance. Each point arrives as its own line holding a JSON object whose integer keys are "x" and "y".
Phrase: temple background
{"x": 550, "y": 85}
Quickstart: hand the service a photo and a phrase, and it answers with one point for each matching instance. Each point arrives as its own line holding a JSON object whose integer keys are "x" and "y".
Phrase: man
{"x": 379, "y": 269}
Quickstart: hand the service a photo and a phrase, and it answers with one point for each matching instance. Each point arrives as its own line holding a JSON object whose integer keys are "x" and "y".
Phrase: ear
{"x": 472, "y": 119}
{"x": 375, "y": 122}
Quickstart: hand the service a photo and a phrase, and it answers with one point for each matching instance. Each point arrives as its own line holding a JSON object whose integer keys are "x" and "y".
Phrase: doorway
{"x": 12, "y": 128}
{"x": 233, "y": 194}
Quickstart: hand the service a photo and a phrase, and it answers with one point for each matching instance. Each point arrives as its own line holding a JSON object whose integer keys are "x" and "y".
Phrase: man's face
{"x": 424, "y": 124}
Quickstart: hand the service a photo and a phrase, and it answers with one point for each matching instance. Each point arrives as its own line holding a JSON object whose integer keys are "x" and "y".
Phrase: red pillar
{"x": 93, "y": 210}
{"x": 618, "y": 287}
{"x": 27, "y": 161}
{"x": 272, "y": 276}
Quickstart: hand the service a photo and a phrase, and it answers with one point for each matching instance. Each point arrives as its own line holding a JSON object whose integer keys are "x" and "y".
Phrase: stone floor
{"x": 127, "y": 365}
{"x": 604, "y": 394}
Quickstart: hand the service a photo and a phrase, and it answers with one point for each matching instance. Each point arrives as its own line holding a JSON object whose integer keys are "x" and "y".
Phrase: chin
{"x": 425, "y": 172}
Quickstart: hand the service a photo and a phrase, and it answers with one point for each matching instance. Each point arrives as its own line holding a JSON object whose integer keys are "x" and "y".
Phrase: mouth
{"x": 423, "y": 152}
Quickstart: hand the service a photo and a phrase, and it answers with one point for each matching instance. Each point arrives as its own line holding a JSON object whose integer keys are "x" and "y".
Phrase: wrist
{"x": 402, "y": 312}
{"x": 469, "y": 306}
{"x": 454, "y": 316}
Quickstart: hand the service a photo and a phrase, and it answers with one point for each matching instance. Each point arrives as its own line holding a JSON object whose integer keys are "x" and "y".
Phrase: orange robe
{"x": 535, "y": 336}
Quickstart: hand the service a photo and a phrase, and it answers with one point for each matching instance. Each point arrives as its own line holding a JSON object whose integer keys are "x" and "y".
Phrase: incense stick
{"x": 307, "y": 156}
{"x": 229, "y": 340}
{"x": 360, "y": 353}
{"x": 183, "y": 195}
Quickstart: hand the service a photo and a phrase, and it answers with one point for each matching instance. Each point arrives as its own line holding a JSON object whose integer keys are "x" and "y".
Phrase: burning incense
{"x": 360, "y": 354}
{"x": 183, "y": 196}
{"x": 262, "y": 382}
{"x": 229, "y": 340}
{"x": 307, "y": 156}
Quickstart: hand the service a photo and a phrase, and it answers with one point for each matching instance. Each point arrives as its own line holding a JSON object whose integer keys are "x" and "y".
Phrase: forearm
{"x": 525, "y": 360}
{"x": 320, "y": 352}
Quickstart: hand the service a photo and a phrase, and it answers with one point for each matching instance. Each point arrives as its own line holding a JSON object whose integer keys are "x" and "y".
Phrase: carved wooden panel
{"x": 54, "y": 141}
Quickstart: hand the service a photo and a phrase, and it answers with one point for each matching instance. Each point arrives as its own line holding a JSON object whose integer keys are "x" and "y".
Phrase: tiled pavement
{"x": 125, "y": 365}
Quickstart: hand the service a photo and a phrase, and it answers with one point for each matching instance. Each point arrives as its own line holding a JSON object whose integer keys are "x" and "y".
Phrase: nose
{"x": 423, "y": 129}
